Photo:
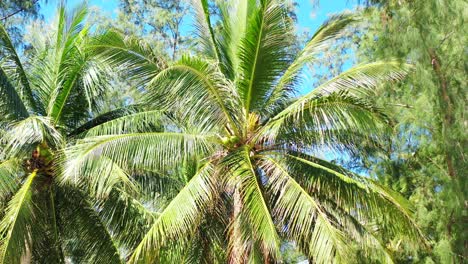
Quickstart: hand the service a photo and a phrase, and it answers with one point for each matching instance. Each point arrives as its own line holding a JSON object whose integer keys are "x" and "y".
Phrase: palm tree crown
{"x": 43, "y": 103}
{"x": 227, "y": 125}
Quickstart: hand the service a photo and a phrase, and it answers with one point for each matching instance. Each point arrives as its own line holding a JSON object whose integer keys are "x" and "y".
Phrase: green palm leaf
{"x": 255, "y": 207}
{"x": 144, "y": 121}
{"x": 205, "y": 32}
{"x": 9, "y": 177}
{"x": 65, "y": 72}
{"x": 193, "y": 84}
{"x": 362, "y": 196}
{"x": 233, "y": 30}
{"x": 104, "y": 118}
{"x": 180, "y": 217}
{"x": 84, "y": 229}
{"x": 304, "y": 218}
{"x": 132, "y": 151}
{"x": 330, "y": 30}
{"x": 11, "y": 104}
{"x": 326, "y": 118}
{"x": 10, "y": 53}
{"x": 24, "y": 135}
{"x": 263, "y": 54}
{"x": 17, "y": 225}
{"x": 127, "y": 217}
{"x": 138, "y": 58}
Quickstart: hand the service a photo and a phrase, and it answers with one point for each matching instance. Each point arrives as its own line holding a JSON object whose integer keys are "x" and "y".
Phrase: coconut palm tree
{"x": 234, "y": 109}
{"x": 45, "y": 104}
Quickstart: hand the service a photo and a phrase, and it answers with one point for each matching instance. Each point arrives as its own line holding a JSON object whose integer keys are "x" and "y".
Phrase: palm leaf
{"x": 205, "y": 32}
{"x": 332, "y": 29}
{"x": 104, "y": 118}
{"x": 18, "y": 223}
{"x": 70, "y": 26}
{"x": 192, "y": 84}
{"x": 83, "y": 228}
{"x": 264, "y": 54}
{"x": 233, "y": 28}
{"x": 24, "y": 135}
{"x": 353, "y": 82}
{"x": 144, "y": 121}
{"x": 104, "y": 176}
{"x": 134, "y": 55}
{"x": 364, "y": 78}
{"x": 303, "y": 218}
{"x": 127, "y": 218}
{"x": 9, "y": 50}
{"x": 367, "y": 200}
{"x": 11, "y": 105}
{"x": 152, "y": 150}
{"x": 9, "y": 177}
{"x": 327, "y": 118}
{"x": 180, "y": 217}
{"x": 254, "y": 205}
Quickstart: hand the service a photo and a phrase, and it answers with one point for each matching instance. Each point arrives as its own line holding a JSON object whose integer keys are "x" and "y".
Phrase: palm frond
{"x": 366, "y": 200}
{"x": 232, "y": 31}
{"x": 24, "y": 135}
{"x": 204, "y": 30}
{"x": 145, "y": 121}
{"x": 68, "y": 77}
{"x": 11, "y": 105}
{"x": 363, "y": 78}
{"x": 332, "y": 29}
{"x": 264, "y": 54}
{"x": 10, "y": 53}
{"x": 196, "y": 86}
{"x": 127, "y": 218}
{"x": 255, "y": 207}
{"x": 180, "y": 217}
{"x": 18, "y": 223}
{"x": 104, "y": 176}
{"x": 367, "y": 240}
{"x": 10, "y": 172}
{"x": 68, "y": 81}
{"x": 104, "y": 118}
{"x": 132, "y": 54}
{"x": 152, "y": 150}
{"x": 159, "y": 187}
{"x": 302, "y": 217}
{"x": 326, "y": 119}
{"x": 83, "y": 229}
{"x": 352, "y": 83}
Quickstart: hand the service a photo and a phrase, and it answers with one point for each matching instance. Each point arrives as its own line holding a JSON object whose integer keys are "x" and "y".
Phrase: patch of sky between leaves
{"x": 310, "y": 16}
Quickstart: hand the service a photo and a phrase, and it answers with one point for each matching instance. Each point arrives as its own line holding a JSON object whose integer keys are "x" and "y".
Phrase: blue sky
{"x": 309, "y": 17}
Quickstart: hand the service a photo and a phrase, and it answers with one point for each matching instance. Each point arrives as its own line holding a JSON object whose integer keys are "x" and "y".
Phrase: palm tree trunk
{"x": 236, "y": 254}
{"x": 57, "y": 239}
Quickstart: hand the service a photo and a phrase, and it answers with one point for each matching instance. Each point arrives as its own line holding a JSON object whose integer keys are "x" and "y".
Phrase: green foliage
{"x": 58, "y": 89}
{"x": 231, "y": 108}
{"x": 217, "y": 161}
{"x": 425, "y": 157}
{"x": 14, "y": 15}
{"x": 159, "y": 22}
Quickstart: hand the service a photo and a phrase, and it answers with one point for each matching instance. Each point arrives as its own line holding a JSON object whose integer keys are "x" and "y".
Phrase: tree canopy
{"x": 132, "y": 140}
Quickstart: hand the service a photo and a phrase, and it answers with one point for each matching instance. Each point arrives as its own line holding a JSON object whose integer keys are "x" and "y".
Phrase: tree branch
{"x": 17, "y": 11}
